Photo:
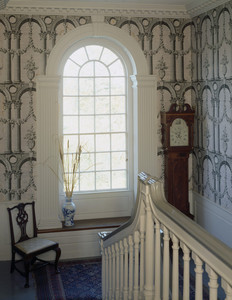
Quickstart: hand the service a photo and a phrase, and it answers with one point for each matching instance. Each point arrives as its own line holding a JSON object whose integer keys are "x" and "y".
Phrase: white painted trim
{"x": 213, "y": 218}
{"x": 144, "y": 105}
{"x": 116, "y": 8}
{"x": 68, "y": 43}
{"x": 76, "y": 244}
{"x": 145, "y": 90}
{"x": 47, "y": 151}
{"x": 85, "y": 8}
{"x": 198, "y": 7}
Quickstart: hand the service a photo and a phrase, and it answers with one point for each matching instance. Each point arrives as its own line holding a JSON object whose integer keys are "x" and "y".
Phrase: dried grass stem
{"x": 69, "y": 165}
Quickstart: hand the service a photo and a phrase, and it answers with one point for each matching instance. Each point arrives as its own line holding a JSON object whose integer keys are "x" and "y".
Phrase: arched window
{"x": 95, "y": 115}
{"x": 138, "y": 136}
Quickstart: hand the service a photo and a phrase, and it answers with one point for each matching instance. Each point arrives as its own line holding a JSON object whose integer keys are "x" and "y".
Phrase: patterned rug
{"x": 192, "y": 284}
{"x": 76, "y": 281}
{"x": 82, "y": 281}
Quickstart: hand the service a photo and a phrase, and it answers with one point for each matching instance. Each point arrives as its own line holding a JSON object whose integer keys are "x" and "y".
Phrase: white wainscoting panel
{"x": 213, "y": 218}
{"x": 94, "y": 206}
{"x": 76, "y": 244}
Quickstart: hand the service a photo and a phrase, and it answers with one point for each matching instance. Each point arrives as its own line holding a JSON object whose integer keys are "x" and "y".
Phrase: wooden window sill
{"x": 89, "y": 224}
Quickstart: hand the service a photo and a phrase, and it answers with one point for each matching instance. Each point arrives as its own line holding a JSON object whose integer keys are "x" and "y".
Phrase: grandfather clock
{"x": 177, "y": 139}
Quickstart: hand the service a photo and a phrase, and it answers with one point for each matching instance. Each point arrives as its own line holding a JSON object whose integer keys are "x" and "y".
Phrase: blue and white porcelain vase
{"x": 68, "y": 209}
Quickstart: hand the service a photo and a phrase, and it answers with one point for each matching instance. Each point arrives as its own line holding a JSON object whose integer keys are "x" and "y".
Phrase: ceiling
{"x": 182, "y": 8}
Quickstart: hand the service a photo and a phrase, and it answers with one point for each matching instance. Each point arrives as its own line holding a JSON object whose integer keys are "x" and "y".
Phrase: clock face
{"x": 179, "y": 133}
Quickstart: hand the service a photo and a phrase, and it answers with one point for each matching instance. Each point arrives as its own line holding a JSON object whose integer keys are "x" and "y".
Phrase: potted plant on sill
{"x": 69, "y": 165}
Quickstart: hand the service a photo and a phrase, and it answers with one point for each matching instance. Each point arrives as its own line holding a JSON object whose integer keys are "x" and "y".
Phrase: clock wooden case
{"x": 177, "y": 140}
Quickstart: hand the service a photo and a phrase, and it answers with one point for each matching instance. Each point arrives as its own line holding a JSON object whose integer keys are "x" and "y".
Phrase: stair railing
{"x": 143, "y": 258}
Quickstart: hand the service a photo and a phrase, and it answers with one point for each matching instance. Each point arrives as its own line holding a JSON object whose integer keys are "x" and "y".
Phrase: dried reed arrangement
{"x": 69, "y": 166}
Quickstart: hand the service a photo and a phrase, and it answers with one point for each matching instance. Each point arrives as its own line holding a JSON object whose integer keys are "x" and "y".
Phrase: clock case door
{"x": 176, "y": 158}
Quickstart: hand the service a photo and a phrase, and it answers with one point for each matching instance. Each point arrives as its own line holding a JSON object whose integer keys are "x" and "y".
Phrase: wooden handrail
{"x": 153, "y": 224}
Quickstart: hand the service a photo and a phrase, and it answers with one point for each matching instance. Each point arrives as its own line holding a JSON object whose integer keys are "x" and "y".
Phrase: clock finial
{"x": 180, "y": 108}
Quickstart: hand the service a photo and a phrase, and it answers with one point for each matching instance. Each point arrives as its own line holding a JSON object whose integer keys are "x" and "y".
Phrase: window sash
{"x": 97, "y": 105}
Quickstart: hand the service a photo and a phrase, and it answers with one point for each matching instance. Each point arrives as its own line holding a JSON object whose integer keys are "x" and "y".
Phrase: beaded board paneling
{"x": 192, "y": 58}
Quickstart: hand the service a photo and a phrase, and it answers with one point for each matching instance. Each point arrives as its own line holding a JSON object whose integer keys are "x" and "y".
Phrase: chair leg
{"x": 33, "y": 260}
{"x": 58, "y": 252}
{"x": 12, "y": 267}
{"x": 27, "y": 269}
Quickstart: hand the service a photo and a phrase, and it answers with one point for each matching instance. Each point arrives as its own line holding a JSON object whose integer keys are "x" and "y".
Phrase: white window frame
{"x": 145, "y": 139}
{"x": 119, "y": 202}
{"x": 128, "y": 71}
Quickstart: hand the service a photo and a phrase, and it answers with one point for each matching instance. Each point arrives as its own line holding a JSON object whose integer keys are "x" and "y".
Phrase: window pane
{"x": 100, "y": 69}
{"x": 102, "y": 123}
{"x": 87, "y": 182}
{"x": 68, "y": 164}
{"x": 119, "y": 179}
{"x": 102, "y": 142}
{"x": 86, "y": 105}
{"x": 70, "y": 86}
{"x": 94, "y": 51}
{"x": 118, "y": 104}
{"x": 76, "y": 186}
{"x": 86, "y": 124}
{"x": 87, "y": 141}
{"x": 95, "y": 115}
{"x": 86, "y": 86}
{"x": 116, "y": 69}
{"x": 79, "y": 56}
{"x": 71, "y": 69}
{"x": 118, "y": 141}
{"x": 118, "y": 123}
{"x": 87, "y": 70}
{"x": 118, "y": 160}
{"x": 70, "y": 105}
{"x": 87, "y": 162}
{"x": 70, "y": 124}
{"x": 108, "y": 56}
{"x": 103, "y": 180}
{"x": 117, "y": 86}
{"x": 102, "y": 86}
{"x": 103, "y": 161}
{"x": 102, "y": 105}
{"x": 73, "y": 142}
{"x": 76, "y": 181}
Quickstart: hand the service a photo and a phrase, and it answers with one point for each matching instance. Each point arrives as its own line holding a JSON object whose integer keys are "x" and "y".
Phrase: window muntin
{"x": 95, "y": 115}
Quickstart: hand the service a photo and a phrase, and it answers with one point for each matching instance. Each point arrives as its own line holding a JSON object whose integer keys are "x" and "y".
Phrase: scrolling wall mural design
{"x": 191, "y": 57}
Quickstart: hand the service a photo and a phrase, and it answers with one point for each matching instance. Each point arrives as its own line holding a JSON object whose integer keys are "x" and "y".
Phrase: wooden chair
{"x": 28, "y": 246}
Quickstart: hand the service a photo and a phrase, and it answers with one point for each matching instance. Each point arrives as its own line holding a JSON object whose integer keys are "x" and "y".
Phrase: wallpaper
{"x": 193, "y": 61}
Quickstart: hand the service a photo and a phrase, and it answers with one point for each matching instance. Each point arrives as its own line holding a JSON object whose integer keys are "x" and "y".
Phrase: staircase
{"x": 144, "y": 258}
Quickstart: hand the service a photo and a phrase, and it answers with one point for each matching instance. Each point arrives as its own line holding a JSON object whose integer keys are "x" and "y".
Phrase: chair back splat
{"x": 24, "y": 240}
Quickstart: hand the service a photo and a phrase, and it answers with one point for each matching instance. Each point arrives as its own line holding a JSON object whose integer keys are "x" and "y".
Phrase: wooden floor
{"x": 12, "y": 284}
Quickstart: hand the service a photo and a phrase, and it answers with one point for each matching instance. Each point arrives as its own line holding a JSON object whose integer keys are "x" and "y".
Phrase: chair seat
{"x": 28, "y": 248}
{"x": 34, "y": 244}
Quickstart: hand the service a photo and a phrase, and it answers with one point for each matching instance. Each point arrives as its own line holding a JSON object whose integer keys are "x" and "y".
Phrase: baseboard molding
{"x": 213, "y": 218}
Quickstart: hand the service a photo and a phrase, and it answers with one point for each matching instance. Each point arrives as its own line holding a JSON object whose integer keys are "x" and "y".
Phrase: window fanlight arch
{"x": 48, "y": 94}
{"x": 97, "y": 114}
